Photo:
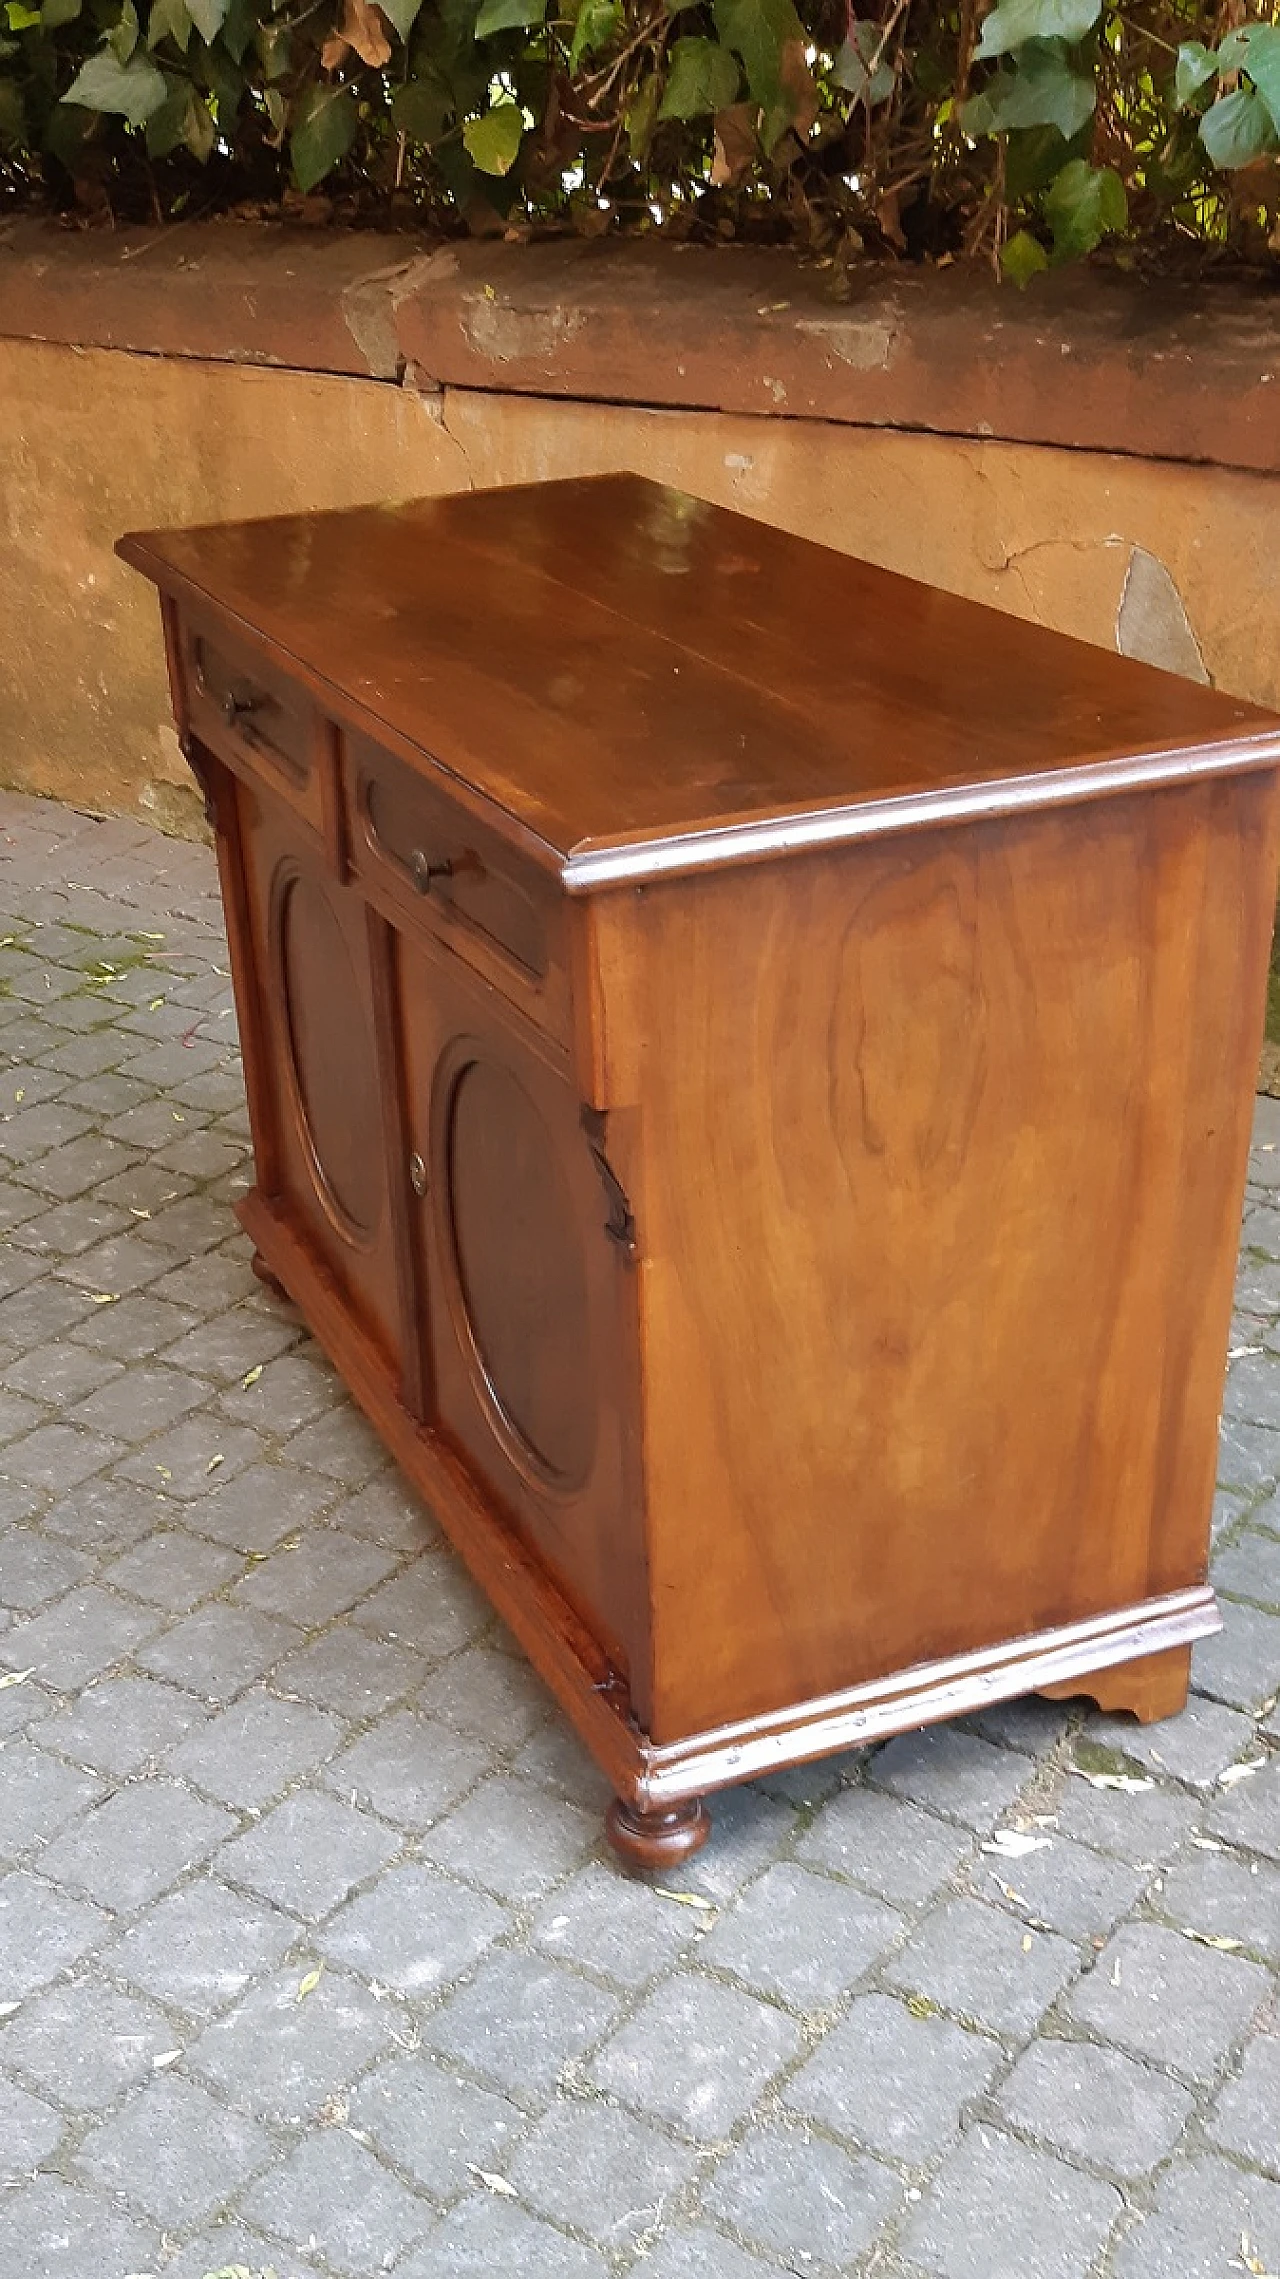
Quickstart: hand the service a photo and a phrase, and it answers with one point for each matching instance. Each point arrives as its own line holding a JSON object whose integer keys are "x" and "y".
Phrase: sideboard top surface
{"x": 643, "y": 680}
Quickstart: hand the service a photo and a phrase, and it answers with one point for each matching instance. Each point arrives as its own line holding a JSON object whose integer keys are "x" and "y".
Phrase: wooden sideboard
{"x": 750, "y": 1063}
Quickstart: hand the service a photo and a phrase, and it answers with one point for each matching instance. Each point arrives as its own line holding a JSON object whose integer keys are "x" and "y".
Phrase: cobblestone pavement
{"x": 311, "y": 1960}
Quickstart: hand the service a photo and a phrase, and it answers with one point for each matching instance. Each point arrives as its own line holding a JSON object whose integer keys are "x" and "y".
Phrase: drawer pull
{"x": 417, "y": 1175}
{"x": 236, "y": 708}
{"x": 424, "y": 870}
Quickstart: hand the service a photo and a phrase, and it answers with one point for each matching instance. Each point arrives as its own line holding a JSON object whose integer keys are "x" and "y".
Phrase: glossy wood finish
{"x": 750, "y": 1066}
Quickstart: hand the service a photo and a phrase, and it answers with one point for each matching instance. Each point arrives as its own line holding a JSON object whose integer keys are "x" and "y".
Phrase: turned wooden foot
{"x": 652, "y": 1840}
{"x": 1153, "y": 1687}
{"x": 269, "y": 1280}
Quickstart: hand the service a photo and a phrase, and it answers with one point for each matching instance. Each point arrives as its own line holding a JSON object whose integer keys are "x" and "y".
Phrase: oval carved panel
{"x": 331, "y": 1063}
{"x": 515, "y": 1240}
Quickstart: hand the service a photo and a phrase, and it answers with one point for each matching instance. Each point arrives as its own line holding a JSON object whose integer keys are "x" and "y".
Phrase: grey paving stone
{"x": 1028, "y": 1723}
{"x": 38, "y": 1796}
{"x": 176, "y": 2151}
{"x": 696, "y": 2054}
{"x": 195, "y": 1459}
{"x": 388, "y": 1512}
{"x": 894, "y": 2081}
{"x": 891, "y": 1848}
{"x": 359, "y": 1677}
{"x": 142, "y": 1402}
{"x": 134, "y": 1328}
{"x": 342, "y": 1445}
{"x": 85, "y": 2043}
{"x": 201, "y": 1947}
{"x": 1249, "y": 1815}
{"x": 30, "y": 2132}
{"x": 997, "y": 2210}
{"x": 248, "y": 1754}
{"x": 616, "y": 1925}
{"x": 234, "y": 2247}
{"x": 41, "y": 1931}
{"x": 83, "y": 1163}
{"x": 980, "y": 1963}
{"x": 408, "y": 1768}
{"x": 281, "y": 2053}
{"x": 1248, "y": 1455}
{"x": 520, "y": 2021}
{"x": 415, "y": 1931}
{"x": 231, "y": 1345}
{"x": 60, "y": 1372}
{"x": 332, "y": 2195}
{"x": 79, "y": 1638}
{"x": 1095, "y": 2105}
{"x": 32, "y": 1316}
{"x": 52, "y": 2230}
{"x": 124, "y": 1263}
{"x": 698, "y": 2253}
{"x": 219, "y": 1650}
{"x": 19, "y": 1503}
{"x": 1146, "y": 1828}
{"x": 513, "y": 1838}
{"x": 802, "y": 2198}
{"x": 58, "y": 1456}
{"x": 487, "y": 2236}
{"x": 1195, "y": 1746}
{"x": 437, "y": 2127}
{"x": 802, "y": 1936}
{"x": 173, "y": 1569}
{"x": 1163, "y": 1997}
{"x": 493, "y": 1695}
{"x": 290, "y": 1392}
{"x": 749, "y": 1830}
{"x": 308, "y": 1853}
{"x": 432, "y": 1605}
{"x": 1203, "y": 2210}
{"x": 259, "y": 1510}
{"x": 601, "y": 2172}
{"x": 323, "y": 1576}
{"x": 17, "y": 1416}
{"x": 1224, "y": 1897}
{"x": 1246, "y": 2117}
{"x": 1241, "y": 1666}
{"x": 555, "y": 1758}
{"x": 33, "y": 1570}
{"x": 137, "y": 1844}
{"x": 1249, "y": 1568}
{"x": 953, "y": 1773}
{"x": 1079, "y": 1892}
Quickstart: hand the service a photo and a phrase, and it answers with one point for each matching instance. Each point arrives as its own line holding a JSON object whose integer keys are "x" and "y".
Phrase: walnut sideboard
{"x": 750, "y": 1064}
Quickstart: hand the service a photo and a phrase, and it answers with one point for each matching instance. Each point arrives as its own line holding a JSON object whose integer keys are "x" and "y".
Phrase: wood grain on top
{"x": 616, "y": 664}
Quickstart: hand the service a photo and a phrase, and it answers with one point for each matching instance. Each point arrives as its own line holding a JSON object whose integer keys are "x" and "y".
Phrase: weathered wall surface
{"x": 119, "y": 409}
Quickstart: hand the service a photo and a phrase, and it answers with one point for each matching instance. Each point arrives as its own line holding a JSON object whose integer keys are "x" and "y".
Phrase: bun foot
{"x": 1152, "y": 1687}
{"x": 268, "y": 1280}
{"x": 650, "y": 1840}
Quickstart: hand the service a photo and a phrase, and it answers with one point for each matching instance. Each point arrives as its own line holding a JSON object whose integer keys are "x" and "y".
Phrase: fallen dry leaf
{"x": 493, "y": 2183}
{"x": 16, "y": 1678}
{"x": 1236, "y": 1773}
{"x": 309, "y": 1984}
{"x": 1011, "y": 1844}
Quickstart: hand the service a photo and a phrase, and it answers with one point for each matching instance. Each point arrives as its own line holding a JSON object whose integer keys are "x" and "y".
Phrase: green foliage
{"x": 1026, "y": 133}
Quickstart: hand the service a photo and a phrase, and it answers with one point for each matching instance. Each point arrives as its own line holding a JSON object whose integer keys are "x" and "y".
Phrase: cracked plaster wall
{"x": 1167, "y": 562}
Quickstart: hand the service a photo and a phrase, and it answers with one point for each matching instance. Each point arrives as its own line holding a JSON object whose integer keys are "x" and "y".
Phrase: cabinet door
{"x": 531, "y": 1301}
{"x": 319, "y": 1127}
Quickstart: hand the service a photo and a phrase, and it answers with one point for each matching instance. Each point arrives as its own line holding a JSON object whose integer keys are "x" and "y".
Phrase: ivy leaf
{"x": 1195, "y": 67}
{"x": 1083, "y": 205}
{"x": 55, "y": 13}
{"x": 797, "y": 103}
{"x": 274, "y": 43}
{"x": 1041, "y": 90}
{"x": 123, "y": 37}
{"x": 642, "y": 115}
{"x": 702, "y": 77}
{"x": 1262, "y": 62}
{"x": 208, "y": 16}
{"x": 1237, "y": 129}
{"x": 1023, "y": 258}
{"x": 760, "y": 30}
{"x": 324, "y": 128}
{"x": 491, "y": 143}
{"x": 734, "y": 146}
{"x": 422, "y": 108}
{"x": 133, "y": 90}
{"x": 20, "y": 16}
{"x": 509, "y": 16}
{"x": 1013, "y": 22}
{"x": 598, "y": 23}
{"x": 402, "y": 15}
{"x": 860, "y": 67}
{"x": 169, "y": 20}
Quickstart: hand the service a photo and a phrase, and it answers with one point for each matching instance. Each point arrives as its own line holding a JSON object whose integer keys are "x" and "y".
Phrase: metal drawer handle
{"x": 424, "y": 870}
{"x": 237, "y": 707}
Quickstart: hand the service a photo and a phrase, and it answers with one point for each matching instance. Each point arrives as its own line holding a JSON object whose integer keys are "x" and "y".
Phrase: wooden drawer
{"x": 252, "y": 714}
{"x": 494, "y": 907}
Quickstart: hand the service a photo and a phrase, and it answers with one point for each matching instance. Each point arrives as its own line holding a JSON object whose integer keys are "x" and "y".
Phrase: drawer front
{"x": 500, "y": 913}
{"x": 252, "y": 714}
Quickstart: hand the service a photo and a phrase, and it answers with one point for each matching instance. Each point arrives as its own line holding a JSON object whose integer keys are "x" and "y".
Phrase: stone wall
{"x": 1093, "y": 454}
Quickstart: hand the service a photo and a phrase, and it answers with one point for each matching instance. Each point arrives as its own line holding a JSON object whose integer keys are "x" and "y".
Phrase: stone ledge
{"x": 1087, "y": 360}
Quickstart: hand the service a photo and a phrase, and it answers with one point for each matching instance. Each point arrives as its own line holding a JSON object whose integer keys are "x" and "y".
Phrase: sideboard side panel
{"x": 937, "y": 1153}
